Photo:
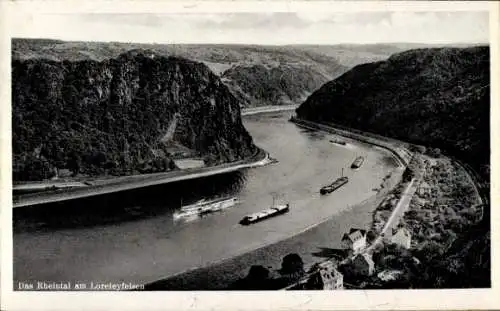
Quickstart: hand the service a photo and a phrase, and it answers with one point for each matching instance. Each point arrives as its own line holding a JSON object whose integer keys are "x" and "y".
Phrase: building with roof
{"x": 355, "y": 240}
{"x": 327, "y": 277}
{"x": 363, "y": 265}
{"x": 402, "y": 237}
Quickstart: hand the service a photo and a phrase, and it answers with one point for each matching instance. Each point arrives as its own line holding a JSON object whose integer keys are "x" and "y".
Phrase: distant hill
{"x": 438, "y": 97}
{"x": 130, "y": 114}
{"x": 351, "y": 55}
{"x": 256, "y": 75}
{"x": 284, "y": 83}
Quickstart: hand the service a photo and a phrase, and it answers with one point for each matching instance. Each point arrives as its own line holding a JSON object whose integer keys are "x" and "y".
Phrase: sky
{"x": 308, "y": 27}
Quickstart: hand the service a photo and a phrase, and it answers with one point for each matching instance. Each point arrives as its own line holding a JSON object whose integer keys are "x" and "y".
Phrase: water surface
{"x": 132, "y": 237}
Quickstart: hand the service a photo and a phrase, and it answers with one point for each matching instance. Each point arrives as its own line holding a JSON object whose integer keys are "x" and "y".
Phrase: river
{"x": 132, "y": 237}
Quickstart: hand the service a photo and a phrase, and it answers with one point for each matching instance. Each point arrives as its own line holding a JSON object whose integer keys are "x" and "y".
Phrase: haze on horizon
{"x": 278, "y": 28}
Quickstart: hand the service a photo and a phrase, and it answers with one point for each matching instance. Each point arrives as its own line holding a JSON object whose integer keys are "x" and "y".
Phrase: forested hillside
{"x": 282, "y": 84}
{"x": 119, "y": 116}
{"x": 437, "y": 97}
{"x": 257, "y": 75}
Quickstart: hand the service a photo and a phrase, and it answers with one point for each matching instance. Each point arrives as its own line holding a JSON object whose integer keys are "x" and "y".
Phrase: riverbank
{"x": 448, "y": 247}
{"x": 35, "y": 193}
{"x": 398, "y": 148}
{"x": 106, "y": 186}
{"x": 267, "y": 109}
{"x": 314, "y": 244}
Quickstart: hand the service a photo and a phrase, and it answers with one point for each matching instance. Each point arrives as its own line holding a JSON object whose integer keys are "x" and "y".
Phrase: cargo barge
{"x": 357, "y": 162}
{"x": 265, "y": 214}
{"x": 335, "y": 185}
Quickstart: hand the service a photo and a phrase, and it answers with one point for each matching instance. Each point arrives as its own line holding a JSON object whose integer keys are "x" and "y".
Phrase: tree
{"x": 418, "y": 148}
{"x": 292, "y": 266}
{"x": 258, "y": 272}
{"x": 74, "y": 162}
{"x": 258, "y": 278}
{"x": 435, "y": 152}
{"x": 36, "y": 169}
{"x": 430, "y": 249}
{"x": 370, "y": 236}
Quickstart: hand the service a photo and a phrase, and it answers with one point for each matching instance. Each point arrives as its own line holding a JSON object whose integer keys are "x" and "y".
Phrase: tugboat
{"x": 265, "y": 214}
{"x": 339, "y": 182}
{"x": 357, "y": 162}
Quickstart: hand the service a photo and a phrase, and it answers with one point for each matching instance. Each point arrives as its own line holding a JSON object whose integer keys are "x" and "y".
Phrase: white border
{"x": 345, "y": 300}
{"x": 168, "y": 6}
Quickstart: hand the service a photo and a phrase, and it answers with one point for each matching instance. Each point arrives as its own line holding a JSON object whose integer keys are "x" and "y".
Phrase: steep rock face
{"x": 126, "y": 115}
{"x": 436, "y": 97}
{"x": 256, "y": 75}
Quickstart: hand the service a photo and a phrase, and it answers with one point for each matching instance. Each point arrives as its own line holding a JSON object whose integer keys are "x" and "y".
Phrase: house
{"x": 424, "y": 188}
{"x": 363, "y": 265}
{"x": 402, "y": 237}
{"x": 355, "y": 240}
{"x": 327, "y": 277}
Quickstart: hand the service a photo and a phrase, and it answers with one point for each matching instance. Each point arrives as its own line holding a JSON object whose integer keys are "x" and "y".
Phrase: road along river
{"x": 132, "y": 237}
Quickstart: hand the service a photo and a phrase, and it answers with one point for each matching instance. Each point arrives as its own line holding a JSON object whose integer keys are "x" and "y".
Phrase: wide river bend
{"x": 132, "y": 237}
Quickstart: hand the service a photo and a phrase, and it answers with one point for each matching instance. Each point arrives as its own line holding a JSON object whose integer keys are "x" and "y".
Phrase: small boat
{"x": 265, "y": 214}
{"x": 338, "y": 142}
{"x": 357, "y": 162}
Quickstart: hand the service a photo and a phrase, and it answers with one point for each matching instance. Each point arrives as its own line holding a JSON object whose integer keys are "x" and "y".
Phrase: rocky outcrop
{"x": 131, "y": 114}
{"x": 256, "y": 75}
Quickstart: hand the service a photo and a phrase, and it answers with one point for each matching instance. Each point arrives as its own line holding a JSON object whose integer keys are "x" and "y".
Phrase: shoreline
{"x": 395, "y": 147}
{"x": 43, "y": 192}
{"x": 267, "y": 109}
{"x": 261, "y": 158}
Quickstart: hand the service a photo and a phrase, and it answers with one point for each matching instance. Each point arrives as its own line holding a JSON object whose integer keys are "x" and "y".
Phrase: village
{"x": 357, "y": 268}
{"x": 406, "y": 234}
{"x": 386, "y": 255}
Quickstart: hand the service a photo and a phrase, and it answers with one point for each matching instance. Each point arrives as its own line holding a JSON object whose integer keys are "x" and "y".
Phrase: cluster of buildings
{"x": 360, "y": 263}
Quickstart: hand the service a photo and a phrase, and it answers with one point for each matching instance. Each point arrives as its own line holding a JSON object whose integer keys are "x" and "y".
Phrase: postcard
{"x": 291, "y": 155}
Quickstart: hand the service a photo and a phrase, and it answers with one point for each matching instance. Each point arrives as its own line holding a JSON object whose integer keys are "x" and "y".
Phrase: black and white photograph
{"x": 283, "y": 149}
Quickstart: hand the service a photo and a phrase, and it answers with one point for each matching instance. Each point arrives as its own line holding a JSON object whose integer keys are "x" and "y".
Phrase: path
{"x": 137, "y": 181}
{"x": 264, "y": 109}
{"x": 398, "y": 211}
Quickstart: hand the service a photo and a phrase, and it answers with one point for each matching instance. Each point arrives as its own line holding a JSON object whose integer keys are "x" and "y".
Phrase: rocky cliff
{"x": 436, "y": 97}
{"x": 125, "y": 115}
{"x": 256, "y": 75}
